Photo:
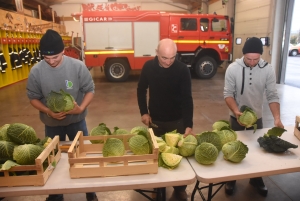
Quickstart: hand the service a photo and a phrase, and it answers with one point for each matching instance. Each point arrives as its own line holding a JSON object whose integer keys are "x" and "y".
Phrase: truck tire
{"x": 206, "y": 67}
{"x": 116, "y": 70}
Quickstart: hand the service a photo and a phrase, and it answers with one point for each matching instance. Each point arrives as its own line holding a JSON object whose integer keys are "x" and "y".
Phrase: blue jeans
{"x": 70, "y": 130}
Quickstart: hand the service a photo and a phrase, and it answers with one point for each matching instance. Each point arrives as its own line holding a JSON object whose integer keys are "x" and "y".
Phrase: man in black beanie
{"x": 55, "y": 72}
{"x": 247, "y": 80}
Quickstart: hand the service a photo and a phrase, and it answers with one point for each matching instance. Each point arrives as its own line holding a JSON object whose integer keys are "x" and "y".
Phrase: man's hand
{"x": 278, "y": 123}
{"x": 188, "y": 131}
{"x": 146, "y": 119}
{"x": 58, "y": 115}
{"x": 76, "y": 110}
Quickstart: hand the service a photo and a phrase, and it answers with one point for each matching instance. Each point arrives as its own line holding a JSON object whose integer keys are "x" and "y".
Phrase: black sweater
{"x": 170, "y": 96}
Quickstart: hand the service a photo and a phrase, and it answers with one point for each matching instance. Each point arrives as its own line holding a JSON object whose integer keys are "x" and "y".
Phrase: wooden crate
{"x": 39, "y": 175}
{"x": 86, "y": 159}
{"x": 297, "y": 127}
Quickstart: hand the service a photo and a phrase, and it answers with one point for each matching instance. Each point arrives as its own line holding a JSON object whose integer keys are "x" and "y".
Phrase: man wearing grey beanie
{"x": 247, "y": 80}
{"x": 55, "y": 72}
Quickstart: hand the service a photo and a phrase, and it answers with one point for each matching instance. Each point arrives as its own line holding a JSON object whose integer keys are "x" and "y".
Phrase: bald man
{"x": 170, "y": 98}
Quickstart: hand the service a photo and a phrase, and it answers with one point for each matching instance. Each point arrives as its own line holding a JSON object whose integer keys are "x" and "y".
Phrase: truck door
{"x": 204, "y": 35}
{"x": 187, "y": 35}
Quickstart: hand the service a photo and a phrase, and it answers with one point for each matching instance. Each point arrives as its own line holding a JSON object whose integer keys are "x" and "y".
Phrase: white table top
{"x": 257, "y": 163}
{"x": 60, "y": 182}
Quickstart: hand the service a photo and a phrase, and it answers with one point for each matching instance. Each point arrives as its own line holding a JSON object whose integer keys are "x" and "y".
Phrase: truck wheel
{"x": 294, "y": 53}
{"x": 116, "y": 70}
{"x": 206, "y": 67}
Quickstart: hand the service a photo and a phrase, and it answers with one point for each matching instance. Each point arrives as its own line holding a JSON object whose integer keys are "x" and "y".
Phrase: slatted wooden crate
{"x": 86, "y": 159}
{"x": 297, "y": 127}
{"x": 17, "y": 176}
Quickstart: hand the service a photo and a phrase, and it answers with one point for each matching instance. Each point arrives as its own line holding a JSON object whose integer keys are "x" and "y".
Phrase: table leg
{"x": 194, "y": 191}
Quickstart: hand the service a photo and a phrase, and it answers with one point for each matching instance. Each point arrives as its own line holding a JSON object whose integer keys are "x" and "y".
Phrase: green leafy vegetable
{"x": 272, "y": 142}
{"x": 21, "y": 133}
{"x": 275, "y": 131}
{"x": 26, "y": 154}
{"x": 101, "y": 129}
{"x": 120, "y": 131}
{"x": 169, "y": 160}
{"x": 6, "y": 150}
{"x": 275, "y": 144}
{"x": 137, "y": 129}
{"x": 9, "y": 164}
{"x": 139, "y": 145}
{"x": 220, "y": 124}
{"x": 210, "y": 137}
{"x": 172, "y": 139}
{"x": 248, "y": 118}
{"x": 206, "y": 153}
{"x": 3, "y": 132}
{"x": 60, "y": 101}
{"x": 188, "y": 146}
{"x": 227, "y": 135}
{"x": 234, "y": 151}
{"x": 113, "y": 147}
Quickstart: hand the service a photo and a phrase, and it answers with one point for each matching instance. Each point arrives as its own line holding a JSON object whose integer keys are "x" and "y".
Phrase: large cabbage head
{"x": 210, "y": 137}
{"x": 101, "y": 129}
{"x": 60, "y": 101}
{"x": 139, "y": 145}
{"x": 227, "y": 135}
{"x": 137, "y": 129}
{"x": 220, "y": 124}
{"x": 27, "y": 153}
{"x": 235, "y": 151}
{"x": 113, "y": 147}
{"x": 187, "y": 146}
{"x": 6, "y": 150}
{"x": 21, "y": 133}
{"x": 206, "y": 153}
{"x": 120, "y": 131}
{"x": 3, "y": 132}
{"x": 248, "y": 118}
{"x": 169, "y": 160}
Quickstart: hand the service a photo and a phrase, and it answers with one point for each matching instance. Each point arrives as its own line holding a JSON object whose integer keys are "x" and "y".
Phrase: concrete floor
{"x": 116, "y": 105}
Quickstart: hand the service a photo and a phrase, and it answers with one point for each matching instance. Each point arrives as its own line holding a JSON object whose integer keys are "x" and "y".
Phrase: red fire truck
{"x": 121, "y": 41}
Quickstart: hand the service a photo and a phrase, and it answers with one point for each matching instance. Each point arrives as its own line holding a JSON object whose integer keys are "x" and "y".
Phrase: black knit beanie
{"x": 253, "y": 45}
{"x": 51, "y": 43}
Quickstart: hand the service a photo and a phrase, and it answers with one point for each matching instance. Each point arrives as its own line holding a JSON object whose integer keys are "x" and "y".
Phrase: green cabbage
{"x": 172, "y": 150}
{"x": 187, "y": 146}
{"x": 101, "y": 129}
{"x": 21, "y": 133}
{"x": 234, "y": 151}
{"x": 113, "y": 147}
{"x": 206, "y": 153}
{"x": 139, "y": 145}
{"x": 161, "y": 146}
{"x": 6, "y": 150}
{"x": 220, "y": 124}
{"x": 172, "y": 139}
{"x": 248, "y": 118}
{"x": 169, "y": 160}
{"x": 27, "y": 153}
{"x": 210, "y": 137}
{"x": 3, "y": 132}
{"x": 227, "y": 135}
{"x": 120, "y": 131}
{"x": 60, "y": 101}
{"x": 137, "y": 129}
